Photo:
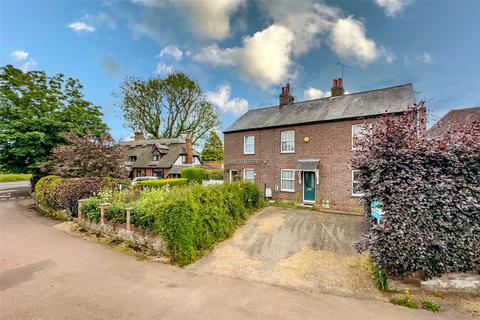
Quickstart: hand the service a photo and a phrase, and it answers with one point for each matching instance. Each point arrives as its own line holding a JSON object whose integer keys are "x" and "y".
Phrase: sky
{"x": 242, "y": 52}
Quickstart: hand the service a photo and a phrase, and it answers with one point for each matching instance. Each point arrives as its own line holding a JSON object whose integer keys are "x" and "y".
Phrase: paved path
{"x": 48, "y": 274}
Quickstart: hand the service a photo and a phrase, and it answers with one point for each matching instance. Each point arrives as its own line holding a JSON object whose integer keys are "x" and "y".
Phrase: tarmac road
{"x": 46, "y": 273}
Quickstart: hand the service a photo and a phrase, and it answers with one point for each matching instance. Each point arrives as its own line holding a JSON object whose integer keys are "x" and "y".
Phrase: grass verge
{"x": 10, "y": 177}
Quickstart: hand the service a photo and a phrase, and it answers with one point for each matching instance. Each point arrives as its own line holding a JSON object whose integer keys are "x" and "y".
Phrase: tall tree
{"x": 213, "y": 148}
{"x": 87, "y": 156}
{"x": 35, "y": 111}
{"x": 167, "y": 107}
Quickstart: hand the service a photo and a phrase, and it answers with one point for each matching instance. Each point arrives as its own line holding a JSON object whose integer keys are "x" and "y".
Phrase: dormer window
{"x": 132, "y": 158}
{"x": 156, "y": 157}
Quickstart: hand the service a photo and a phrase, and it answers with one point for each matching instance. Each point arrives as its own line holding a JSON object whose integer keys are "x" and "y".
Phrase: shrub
{"x": 147, "y": 207}
{"x": 430, "y": 305}
{"x": 69, "y": 191}
{"x": 405, "y": 301}
{"x": 379, "y": 277}
{"x": 91, "y": 208}
{"x": 116, "y": 212}
{"x": 159, "y": 184}
{"x": 194, "y": 174}
{"x": 431, "y": 198}
{"x": 46, "y": 190}
{"x": 194, "y": 218}
{"x": 215, "y": 174}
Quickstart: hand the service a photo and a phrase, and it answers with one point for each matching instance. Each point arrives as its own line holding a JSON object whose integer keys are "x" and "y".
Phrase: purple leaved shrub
{"x": 430, "y": 188}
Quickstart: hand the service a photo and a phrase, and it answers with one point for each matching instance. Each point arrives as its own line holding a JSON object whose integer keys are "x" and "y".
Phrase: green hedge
{"x": 191, "y": 220}
{"x": 46, "y": 189}
{"x": 158, "y": 184}
{"x": 194, "y": 174}
{"x": 9, "y": 177}
{"x": 215, "y": 174}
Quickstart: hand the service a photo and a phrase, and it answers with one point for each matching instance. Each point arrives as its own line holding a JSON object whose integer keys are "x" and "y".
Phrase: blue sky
{"x": 242, "y": 52}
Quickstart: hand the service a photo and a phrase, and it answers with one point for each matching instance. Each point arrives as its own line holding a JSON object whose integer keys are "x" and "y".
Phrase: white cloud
{"x": 221, "y": 98}
{"x": 313, "y": 93}
{"x": 349, "y": 41}
{"x": 392, "y": 7}
{"x": 306, "y": 19}
{"x": 264, "y": 58}
{"x": 19, "y": 55}
{"x": 79, "y": 26}
{"x": 172, "y": 51}
{"x": 100, "y": 19}
{"x": 29, "y": 65}
{"x": 163, "y": 69}
{"x": 423, "y": 57}
{"x": 210, "y": 19}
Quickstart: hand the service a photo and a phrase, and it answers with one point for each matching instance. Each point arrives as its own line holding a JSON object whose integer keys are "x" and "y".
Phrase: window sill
{"x": 356, "y": 195}
{"x": 287, "y": 151}
{"x": 290, "y": 191}
{"x": 248, "y": 153}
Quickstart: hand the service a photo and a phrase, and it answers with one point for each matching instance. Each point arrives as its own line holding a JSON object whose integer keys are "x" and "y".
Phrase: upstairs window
{"x": 358, "y": 132}
{"x": 287, "y": 141}
{"x": 132, "y": 158}
{"x": 156, "y": 157}
{"x": 248, "y": 144}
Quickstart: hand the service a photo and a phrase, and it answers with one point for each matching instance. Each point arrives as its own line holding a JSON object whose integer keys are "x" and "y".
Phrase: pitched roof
{"x": 454, "y": 120}
{"x": 361, "y": 104}
{"x": 170, "y": 150}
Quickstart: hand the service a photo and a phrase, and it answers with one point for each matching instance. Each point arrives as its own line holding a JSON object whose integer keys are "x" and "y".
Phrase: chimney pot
{"x": 340, "y": 82}
{"x": 334, "y": 85}
{"x": 139, "y": 136}
{"x": 285, "y": 98}
{"x": 337, "y": 88}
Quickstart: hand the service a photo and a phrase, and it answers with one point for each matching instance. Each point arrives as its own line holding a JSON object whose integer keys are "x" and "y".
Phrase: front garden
{"x": 190, "y": 218}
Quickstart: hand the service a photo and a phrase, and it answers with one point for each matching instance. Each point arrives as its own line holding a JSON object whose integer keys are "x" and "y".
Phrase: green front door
{"x": 308, "y": 186}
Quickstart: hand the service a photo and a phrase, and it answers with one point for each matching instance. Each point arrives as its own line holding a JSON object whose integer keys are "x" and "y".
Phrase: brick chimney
{"x": 188, "y": 148}
{"x": 285, "y": 98}
{"x": 139, "y": 136}
{"x": 337, "y": 87}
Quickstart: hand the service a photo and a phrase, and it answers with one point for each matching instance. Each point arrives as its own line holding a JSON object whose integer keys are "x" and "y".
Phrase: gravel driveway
{"x": 297, "y": 248}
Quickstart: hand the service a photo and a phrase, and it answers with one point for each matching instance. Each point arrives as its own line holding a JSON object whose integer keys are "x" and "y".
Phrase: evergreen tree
{"x": 213, "y": 148}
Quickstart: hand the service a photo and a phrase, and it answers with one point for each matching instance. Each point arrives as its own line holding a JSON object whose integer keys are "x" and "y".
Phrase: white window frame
{"x": 365, "y": 127}
{"x": 155, "y": 155}
{"x": 353, "y": 182}
{"x": 253, "y": 173}
{"x": 245, "y": 144}
{"x": 287, "y": 141}
{"x": 281, "y": 180}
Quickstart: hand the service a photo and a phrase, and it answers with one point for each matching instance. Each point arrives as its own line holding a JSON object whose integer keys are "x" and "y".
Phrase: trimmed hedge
{"x": 158, "y": 184}
{"x": 215, "y": 174}
{"x": 58, "y": 193}
{"x": 194, "y": 174}
{"x": 192, "y": 219}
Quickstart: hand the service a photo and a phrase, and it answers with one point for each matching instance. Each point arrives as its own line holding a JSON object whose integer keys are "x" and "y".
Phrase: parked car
{"x": 137, "y": 179}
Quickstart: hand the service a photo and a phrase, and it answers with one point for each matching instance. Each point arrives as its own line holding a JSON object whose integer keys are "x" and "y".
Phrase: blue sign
{"x": 376, "y": 209}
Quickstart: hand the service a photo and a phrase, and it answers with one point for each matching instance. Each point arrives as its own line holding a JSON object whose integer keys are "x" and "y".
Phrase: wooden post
{"x": 128, "y": 218}
{"x": 102, "y": 213}
{"x": 79, "y": 210}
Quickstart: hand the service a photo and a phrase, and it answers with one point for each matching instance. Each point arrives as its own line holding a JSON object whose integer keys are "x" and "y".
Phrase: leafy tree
{"x": 35, "y": 111}
{"x": 213, "y": 148}
{"x": 167, "y": 107}
{"x": 429, "y": 187}
{"x": 87, "y": 156}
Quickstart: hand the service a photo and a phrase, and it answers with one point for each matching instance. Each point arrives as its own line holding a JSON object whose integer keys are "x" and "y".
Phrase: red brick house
{"x": 301, "y": 151}
{"x": 163, "y": 158}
